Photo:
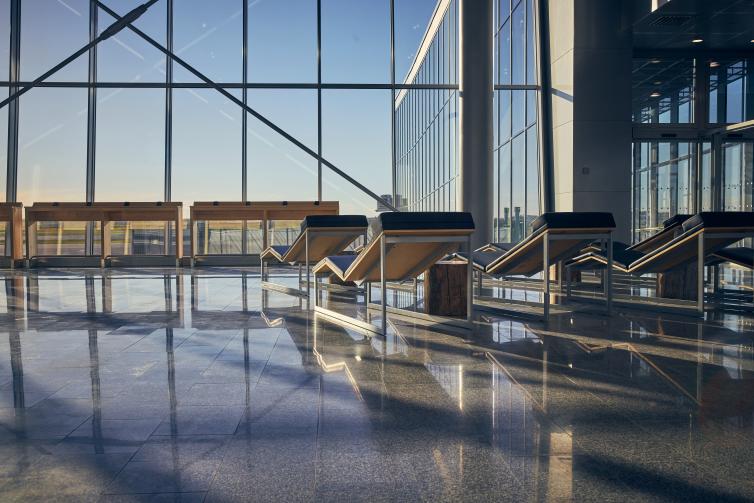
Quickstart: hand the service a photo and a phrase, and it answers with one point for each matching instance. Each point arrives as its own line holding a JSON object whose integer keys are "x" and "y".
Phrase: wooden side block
{"x": 678, "y": 284}
{"x": 335, "y": 280}
{"x": 445, "y": 289}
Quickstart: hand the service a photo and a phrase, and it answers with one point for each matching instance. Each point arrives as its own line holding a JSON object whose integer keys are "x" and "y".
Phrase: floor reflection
{"x": 205, "y": 387}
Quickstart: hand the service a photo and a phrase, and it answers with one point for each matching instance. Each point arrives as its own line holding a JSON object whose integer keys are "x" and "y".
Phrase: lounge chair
{"x": 702, "y": 238}
{"x": 406, "y": 245}
{"x": 321, "y": 236}
{"x": 555, "y": 237}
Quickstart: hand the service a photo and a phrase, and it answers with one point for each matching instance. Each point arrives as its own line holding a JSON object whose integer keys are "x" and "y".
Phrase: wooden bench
{"x": 262, "y": 211}
{"x": 12, "y": 215}
{"x": 105, "y": 214}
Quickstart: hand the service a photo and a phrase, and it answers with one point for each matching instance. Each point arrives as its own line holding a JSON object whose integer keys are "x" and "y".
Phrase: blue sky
{"x": 207, "y": 136}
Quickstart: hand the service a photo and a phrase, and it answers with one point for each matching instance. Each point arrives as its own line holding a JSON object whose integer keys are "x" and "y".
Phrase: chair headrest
{"x": 425, "y": 220}
{"x": 574, "y": 220}
{"x": 328, "y": 221}
{"x": 722, "y": 219}
{"x": 675, "y": 220}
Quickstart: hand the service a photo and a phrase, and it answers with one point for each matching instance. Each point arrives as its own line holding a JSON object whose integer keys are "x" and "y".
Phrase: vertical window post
{"x": 91, "y": 126}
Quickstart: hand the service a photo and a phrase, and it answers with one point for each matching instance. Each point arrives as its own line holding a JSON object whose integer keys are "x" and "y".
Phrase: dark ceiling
{"x": 722, "y": 24}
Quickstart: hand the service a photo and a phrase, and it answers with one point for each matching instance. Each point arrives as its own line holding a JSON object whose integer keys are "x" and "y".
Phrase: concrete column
{"x": 475, "y": 115}
{"x": 590, "y": 69}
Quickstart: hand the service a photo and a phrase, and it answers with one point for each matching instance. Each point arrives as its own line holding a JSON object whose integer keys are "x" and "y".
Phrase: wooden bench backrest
{"x": 261, "y": 210}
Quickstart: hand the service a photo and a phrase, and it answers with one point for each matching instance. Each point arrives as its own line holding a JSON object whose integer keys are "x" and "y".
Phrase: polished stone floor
{"x": 151, "y": 386}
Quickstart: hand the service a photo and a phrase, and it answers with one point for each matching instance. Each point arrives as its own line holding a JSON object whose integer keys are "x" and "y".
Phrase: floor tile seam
{"x": 68, "y": 435}
{"x": 117, "y": 474}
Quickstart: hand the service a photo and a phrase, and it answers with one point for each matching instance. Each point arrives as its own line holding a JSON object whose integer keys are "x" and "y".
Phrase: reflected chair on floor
{"x": 703, "y": 237}
{"x": 555, "y": 238}
{"x": 321, "y": 236}
{"x": 406, "y": 245}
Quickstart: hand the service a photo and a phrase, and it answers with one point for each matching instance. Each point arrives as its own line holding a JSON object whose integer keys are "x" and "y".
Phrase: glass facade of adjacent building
{"x": 427, "y": 125}
{"x": 516, "y": 150}
{"x": 426, "y": 121}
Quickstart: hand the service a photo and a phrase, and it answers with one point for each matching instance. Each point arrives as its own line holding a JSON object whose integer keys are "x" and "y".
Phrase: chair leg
{"x": 316, "y": 288}
{"x": 383, "y": 289}
{"x": 700, "y": 274}
{"x": 308, "y": 270}
{"x": 470, "y": 285}
{"x": 609, "y": 279}
{"x": 546, "y": 275}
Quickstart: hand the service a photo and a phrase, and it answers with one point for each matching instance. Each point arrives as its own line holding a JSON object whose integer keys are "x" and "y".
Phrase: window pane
{"x": 206, "y": 147}
{"x": 663, "y": 90}
{"x": 283, "y": 47}
{"x": 356, "y": 41}
{"x": 411, "y": 20}
{"x": 277, "y": 169}
{"x": 504, "y": 44}
{"x": 356, "y": 138}
{"x": 503, "y": 10}
{"x": 731, "y": 94}
{"x": 209, "y": 36}
{"x": 735, "y": 97}
{"x": 519, "y": 110}
{"x": 504, "y": 101}
{"x": 505, "y": 194}
{"x": 738, "y": 165}
{"x": 50, "y": 32}
{"x": 518, "y": 39}
{"x": 130, "y": 145}
{"x": 531, "y": 107}
{"x": 706, "y": 203}
{"x": 531, "y": 49}
{"x": 4, "y": 40}
{"x": 52, "y": 145}
{"x": 126, "y": 57}
{"x": 518, "y": 186}
{"x": 532, "y": 176}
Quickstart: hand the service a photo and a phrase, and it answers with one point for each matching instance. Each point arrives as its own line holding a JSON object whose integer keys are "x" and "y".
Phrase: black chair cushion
{"x": 574, "y": 220}
{"x": 329, "y": 221}
{"x": 720, "y": 219}
{"x": 425, "y": 220}
{"x": 675, "y": 220}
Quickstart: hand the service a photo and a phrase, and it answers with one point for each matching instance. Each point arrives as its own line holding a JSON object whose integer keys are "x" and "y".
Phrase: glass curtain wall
{"x": 711, "y": 170}
{"x": 731, "y": 91}
{"x": 125, "y": 123}
{"x": 665, "y": 177}
{"x": 691, "y": 151}
{"x": 426, "y": 120}
{"x": 516, "y": 157}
